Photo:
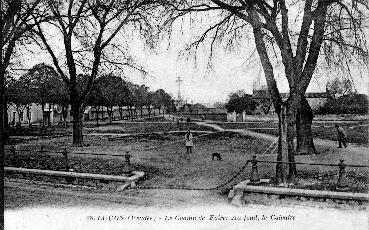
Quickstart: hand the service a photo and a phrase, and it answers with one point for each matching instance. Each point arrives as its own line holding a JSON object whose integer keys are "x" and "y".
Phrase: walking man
{"x": 189, "y": 141}
{"x": 341, "y": 136}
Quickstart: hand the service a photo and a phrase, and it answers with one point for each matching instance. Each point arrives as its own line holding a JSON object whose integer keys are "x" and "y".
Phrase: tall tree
{"x": 292, "y": 33}
{"x": 15, "y": 24}
{"x": 133, "y": 99}
{"x": 219, "y": 105}
{"x": 338, "y": 87}
{"x": 162, "y": 100}
{"x": 88, "y": 30}
{"x": 141, "y": 94}
{"x": 240, "y": 103}
{"x": 21, "y": 95}
{"x": 110, "y": 87}
{"x": 95, "y": 99}
{"x": 149, "y": 102}
{"x": 48, "y": 87}
{"x": 125, "y": 98}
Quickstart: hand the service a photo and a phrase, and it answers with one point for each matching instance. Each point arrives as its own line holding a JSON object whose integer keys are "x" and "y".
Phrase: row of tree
{"x": 110, "y": 90}
{"x": 90, "y": 40}
{"x": 43, "y": 85}
{"x": 346, "y": 104}
{"x": 341, "y": 98}
{"x": 239, "y": 101}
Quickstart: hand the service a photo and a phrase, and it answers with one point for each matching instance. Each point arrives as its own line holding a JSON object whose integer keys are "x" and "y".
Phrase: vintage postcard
{"x": 179, "y": 114}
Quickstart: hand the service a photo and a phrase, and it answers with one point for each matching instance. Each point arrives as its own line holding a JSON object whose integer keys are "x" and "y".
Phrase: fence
{"x": 341, "y": 185}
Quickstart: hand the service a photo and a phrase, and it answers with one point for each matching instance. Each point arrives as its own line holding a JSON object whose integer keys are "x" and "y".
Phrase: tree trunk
{"x": 43, "y": 115}
{"x": 77, "y": 124}
{"x": 65, "y": 115}
{"x": 286, "y": 151}
{"x": 149, "y": 111}
{"x": 102, "y": 113}
{"x": 3, "y": 131}
{"x": 304, "y": 134}
{"x": 19, "y": 111}
{"x": 281, "y": 169}
{"x": 49, "y": 116}
{"x": 97, "y": 115}
{"x": 110, "y": 113}
{"x": 6, "y": 119}
{"x": 291, "y": 122}
{"x": 121, "y": 112}
{"x": 28, "y": 116}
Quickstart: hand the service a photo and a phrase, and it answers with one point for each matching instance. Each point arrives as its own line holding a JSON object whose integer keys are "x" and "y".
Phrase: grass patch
{"x": 357, "y": 132}
{"x": 147, "y": 127}
{"x": 170, "y": 166}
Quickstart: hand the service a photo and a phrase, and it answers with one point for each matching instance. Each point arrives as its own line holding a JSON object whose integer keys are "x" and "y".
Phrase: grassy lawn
{"x": 170, "y": 166}
{"x": 141, "y": 127}
{"x": 165, "y": 166}
{"x": 357, "y": 132}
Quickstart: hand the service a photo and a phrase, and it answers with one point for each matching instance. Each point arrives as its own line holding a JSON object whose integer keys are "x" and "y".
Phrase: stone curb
{"x": 99, "y": 180}
{"x": 304, "y": 192}
{"x": 245, "y": 190}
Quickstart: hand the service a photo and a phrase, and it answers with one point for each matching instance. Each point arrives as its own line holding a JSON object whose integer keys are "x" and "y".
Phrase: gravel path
{"x": 353, "y": 154}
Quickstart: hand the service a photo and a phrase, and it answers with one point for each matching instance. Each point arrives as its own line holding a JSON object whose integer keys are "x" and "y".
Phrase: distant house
{"x": 236, "y": 117}
{"x": 91, "y": 112}
{"x": 179, "y": 104}
{"x": 316, "y": 100}
{"x": 53, "y": 114}
{"x": 265, "y": 106}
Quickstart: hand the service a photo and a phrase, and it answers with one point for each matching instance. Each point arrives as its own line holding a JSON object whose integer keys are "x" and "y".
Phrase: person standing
{"x": 189, "y": 141}
{"x": 341, "y": 136}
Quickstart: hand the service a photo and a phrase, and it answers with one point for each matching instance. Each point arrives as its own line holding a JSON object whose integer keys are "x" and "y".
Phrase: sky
{"x": 230, "y": 74}
{"x": 230, "y": 70}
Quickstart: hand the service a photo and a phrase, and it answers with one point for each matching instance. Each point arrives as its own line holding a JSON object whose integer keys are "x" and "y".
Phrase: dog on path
{"x": 217, "y": 156}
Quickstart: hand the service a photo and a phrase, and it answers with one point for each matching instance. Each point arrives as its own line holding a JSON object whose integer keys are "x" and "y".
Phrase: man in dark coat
{"x": 341, "y": 136}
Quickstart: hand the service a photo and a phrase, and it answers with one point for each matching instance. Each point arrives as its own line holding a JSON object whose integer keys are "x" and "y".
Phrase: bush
{"x": 347, "y": 104}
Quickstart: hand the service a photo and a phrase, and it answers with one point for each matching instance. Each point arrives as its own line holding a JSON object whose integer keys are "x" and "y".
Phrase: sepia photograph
{"x": 184, "y": 114}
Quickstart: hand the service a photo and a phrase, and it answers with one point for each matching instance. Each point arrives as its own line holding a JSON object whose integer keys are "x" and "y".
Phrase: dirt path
{"x": 22, "y": 193}
{"x": 353, "y": 154}
{"x": 37, "y": 206}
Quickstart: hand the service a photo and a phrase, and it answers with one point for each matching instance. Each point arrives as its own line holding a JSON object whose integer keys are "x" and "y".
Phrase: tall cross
{"x": 257, "y": 82}
{"x": 179, "y": 87}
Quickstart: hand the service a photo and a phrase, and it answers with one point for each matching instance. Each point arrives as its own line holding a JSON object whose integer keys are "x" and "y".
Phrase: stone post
{"x": 342, "y": 184}
{"x": 254, "y": 177}
{"x": 66, "y": 161}
{"x": 42, "y": 149}
{"x": 127, "y": 168}
{"x": 13, "y": 150}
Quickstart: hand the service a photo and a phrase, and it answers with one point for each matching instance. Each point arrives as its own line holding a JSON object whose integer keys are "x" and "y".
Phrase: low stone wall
{"x": 341, "y": 117}
{"x": 317, "y": 117}
{"x": 244, "y": 193}
{"x": 108, "y": 182}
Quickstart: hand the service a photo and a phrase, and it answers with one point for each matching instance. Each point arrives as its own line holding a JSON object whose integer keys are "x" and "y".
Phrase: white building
{"x": 53, "y": 114}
